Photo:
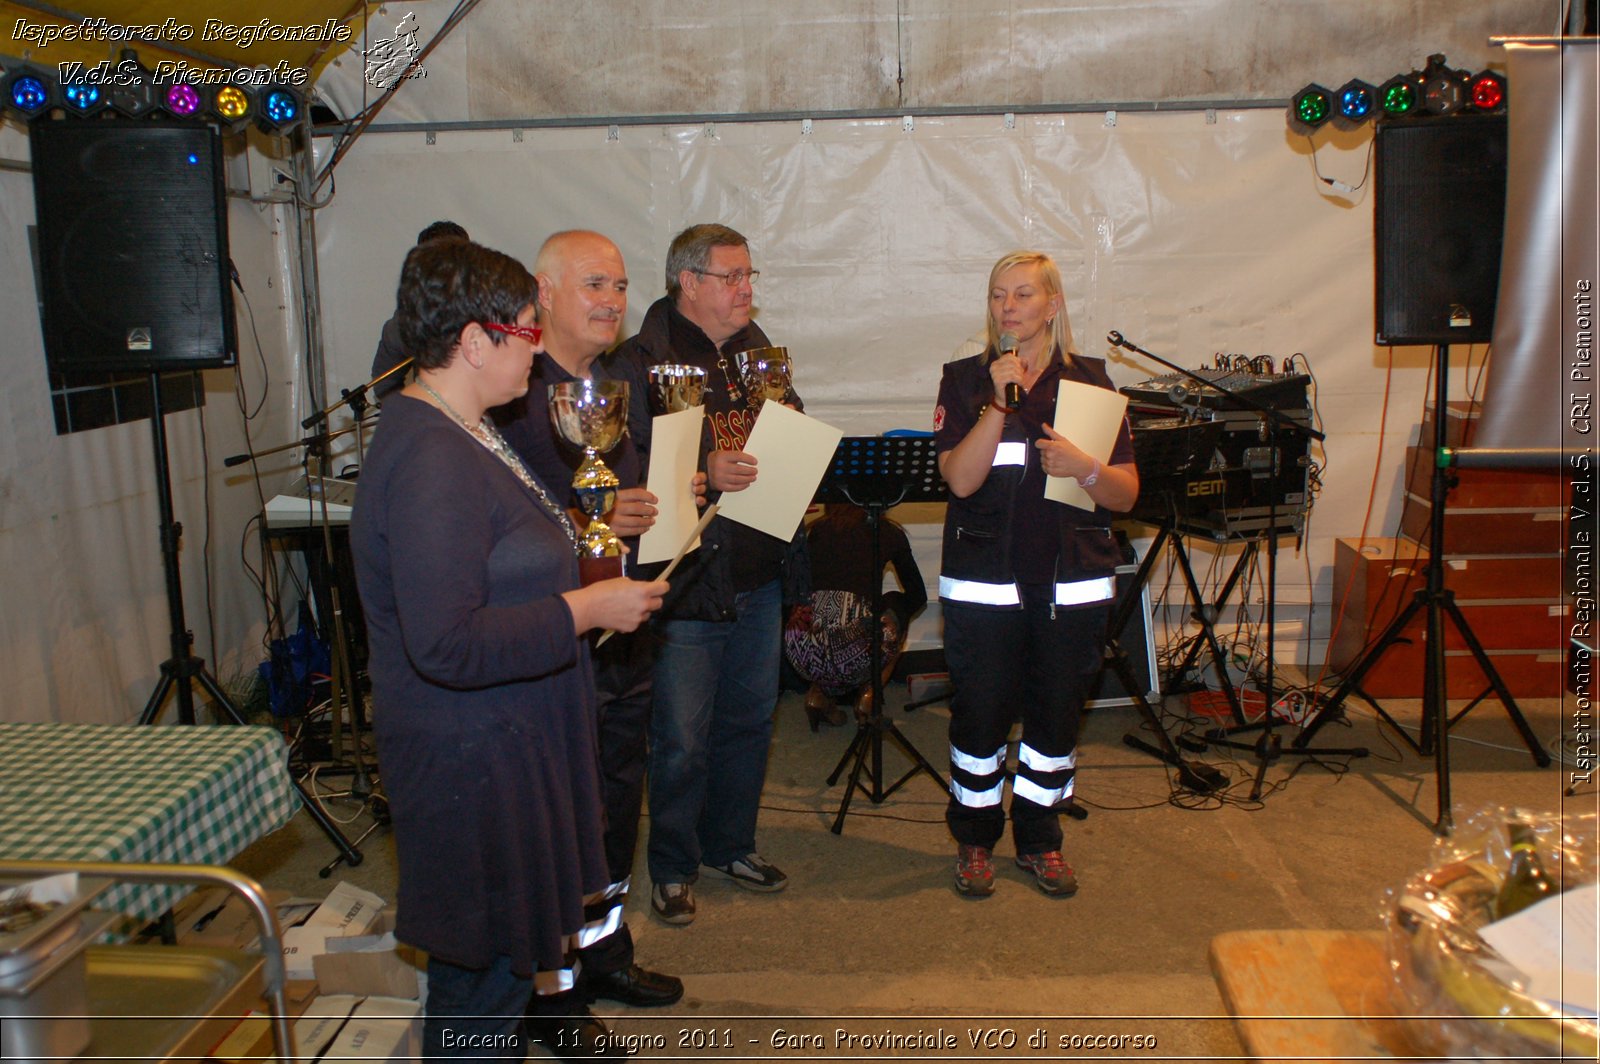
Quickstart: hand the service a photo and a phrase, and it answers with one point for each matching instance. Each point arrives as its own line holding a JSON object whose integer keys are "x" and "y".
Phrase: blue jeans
{"x": 475, "y": 1013}
{"x": 716, "y": 689}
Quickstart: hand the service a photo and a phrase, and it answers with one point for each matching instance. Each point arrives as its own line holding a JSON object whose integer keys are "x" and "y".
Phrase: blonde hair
{"x": 1050, "y": 275}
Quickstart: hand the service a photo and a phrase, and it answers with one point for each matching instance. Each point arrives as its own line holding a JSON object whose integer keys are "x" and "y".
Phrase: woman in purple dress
{"x": 482, "y": 689}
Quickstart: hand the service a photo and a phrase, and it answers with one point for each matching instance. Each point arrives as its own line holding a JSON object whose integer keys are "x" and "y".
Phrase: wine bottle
{"x": 1526, "y": 880}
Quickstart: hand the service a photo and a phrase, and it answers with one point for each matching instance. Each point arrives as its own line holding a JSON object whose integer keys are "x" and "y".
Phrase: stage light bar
{"x": 1311, "y": 107}
{"x": 1354, "y": 104}
{"x": 232, "y": 101}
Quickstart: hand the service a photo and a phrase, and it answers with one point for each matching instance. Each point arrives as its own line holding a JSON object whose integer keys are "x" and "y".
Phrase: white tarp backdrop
{"x": 1189, "y": 231}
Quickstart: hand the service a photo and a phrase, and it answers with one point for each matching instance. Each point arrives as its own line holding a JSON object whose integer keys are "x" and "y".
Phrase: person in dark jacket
{"x": 482, "y": 687}
{"x": 391, "y": 351}
{"x": 716, "y": 680}
{"x": 583, "y": 297}
{"x": 1025, "y": 583}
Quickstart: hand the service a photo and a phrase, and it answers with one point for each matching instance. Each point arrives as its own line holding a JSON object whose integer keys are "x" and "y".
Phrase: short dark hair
{"x": 691, "y": 250}
{"x": 442, "y": 231}
{"x": 446, "y": 285}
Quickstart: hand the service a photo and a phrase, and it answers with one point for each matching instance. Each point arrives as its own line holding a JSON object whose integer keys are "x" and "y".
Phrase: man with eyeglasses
{"x": 583, "y": 297}
{"x": 718, "y": 636}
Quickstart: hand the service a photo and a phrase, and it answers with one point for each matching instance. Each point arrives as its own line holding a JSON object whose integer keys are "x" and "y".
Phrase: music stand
{"x": 877, "y": 473}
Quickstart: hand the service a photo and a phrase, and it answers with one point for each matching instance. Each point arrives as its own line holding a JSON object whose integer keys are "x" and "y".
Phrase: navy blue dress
{"x": 483, "y": 696}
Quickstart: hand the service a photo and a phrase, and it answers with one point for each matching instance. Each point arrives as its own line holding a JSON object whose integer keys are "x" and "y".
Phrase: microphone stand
{"x": 343, "y": 689}
{"x": 1269, "y": 747}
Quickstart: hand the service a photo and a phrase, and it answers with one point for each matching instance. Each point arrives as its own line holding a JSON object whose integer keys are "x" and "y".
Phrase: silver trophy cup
{"x": 674, "y": 388}
{"x": 593, "y": 415}
{"x": 764, "y": 371}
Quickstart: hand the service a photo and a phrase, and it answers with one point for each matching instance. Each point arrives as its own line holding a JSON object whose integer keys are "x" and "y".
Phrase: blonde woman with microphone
{"x": 1026, "y": 583}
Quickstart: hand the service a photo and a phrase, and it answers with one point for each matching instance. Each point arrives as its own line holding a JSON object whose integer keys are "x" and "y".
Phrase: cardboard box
{"x": 369, "y": 965}
{"x": 216, "y": 916}
{"x": 251, "y": 1039}
{"x": 347, "y": 911}
{"x": 381, "y": 1028}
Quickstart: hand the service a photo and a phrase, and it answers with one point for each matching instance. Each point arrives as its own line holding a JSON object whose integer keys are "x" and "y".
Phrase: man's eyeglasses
{"x": 734, "y": 279}
{"x": 530, "y": 333}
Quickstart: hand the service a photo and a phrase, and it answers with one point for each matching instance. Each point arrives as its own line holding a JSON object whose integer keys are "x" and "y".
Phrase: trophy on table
{"x": 765, "y": 373}
{"x": 674, "y": 388}
{"x": 593, "y": 415}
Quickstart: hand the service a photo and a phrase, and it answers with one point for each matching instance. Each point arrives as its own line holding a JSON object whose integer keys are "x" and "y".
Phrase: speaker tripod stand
{"x": 1440, "y": 604}
{"x": 181, "y": 671}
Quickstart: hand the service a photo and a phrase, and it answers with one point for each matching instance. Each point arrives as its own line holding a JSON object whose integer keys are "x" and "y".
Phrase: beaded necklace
{"x": 485, "y": 433}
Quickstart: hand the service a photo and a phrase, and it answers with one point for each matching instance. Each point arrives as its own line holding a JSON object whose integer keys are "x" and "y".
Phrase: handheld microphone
{"x": 1014, "y": 391}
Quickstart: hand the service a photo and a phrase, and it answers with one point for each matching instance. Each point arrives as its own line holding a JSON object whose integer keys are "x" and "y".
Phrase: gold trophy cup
{"x": 593, "y": 415}
{"x": 674, "y": 388}
{"x": 765, "y": 373}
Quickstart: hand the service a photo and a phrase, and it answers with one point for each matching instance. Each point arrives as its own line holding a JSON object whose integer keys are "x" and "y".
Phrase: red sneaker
{"x": 1051, "y": 872}
{"x": 974, "y": 871}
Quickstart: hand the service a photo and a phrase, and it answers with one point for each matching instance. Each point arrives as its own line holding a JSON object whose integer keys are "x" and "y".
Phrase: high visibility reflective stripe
{"x": 977, "y": 799}
{"x": 1011, "y": 454}
{"x": 1040, "y": 763}
{"x": 616, "y": 890}
{"x": 1022, "y": 787}
{"x": 1081, "y": 592}
{"x": 979, "y": 592}
{"x": 595, "y": 930}
{"x": 978, "y": 766}
{"x": 554, "y": 981}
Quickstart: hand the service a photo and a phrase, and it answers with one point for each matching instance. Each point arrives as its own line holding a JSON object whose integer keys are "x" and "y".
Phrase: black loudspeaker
{"x": 133, "y": 245}
{"x": 1139, "y": 643}
{"x": 1439, "y": 217}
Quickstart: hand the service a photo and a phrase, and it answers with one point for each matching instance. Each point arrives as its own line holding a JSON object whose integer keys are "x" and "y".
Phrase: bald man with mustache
{"x": 583, "y": 297}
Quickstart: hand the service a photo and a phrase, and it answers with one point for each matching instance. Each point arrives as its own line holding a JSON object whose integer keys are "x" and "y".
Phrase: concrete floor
{"x": 870, "y": 936}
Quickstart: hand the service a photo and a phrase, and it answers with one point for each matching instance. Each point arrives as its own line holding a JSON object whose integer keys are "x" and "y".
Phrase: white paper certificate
{"x": 1091, "y": 418}
{"x": 674, "y": 460}
{"x": 792, "y": 453}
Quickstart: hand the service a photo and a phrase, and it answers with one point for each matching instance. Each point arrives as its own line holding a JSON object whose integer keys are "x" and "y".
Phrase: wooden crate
{"x": 1487, "y": 530}
{"x": 1514, "y": 606}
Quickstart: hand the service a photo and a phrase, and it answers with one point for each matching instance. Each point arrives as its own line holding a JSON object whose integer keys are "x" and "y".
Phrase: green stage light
{"x": 1311, "y": 107}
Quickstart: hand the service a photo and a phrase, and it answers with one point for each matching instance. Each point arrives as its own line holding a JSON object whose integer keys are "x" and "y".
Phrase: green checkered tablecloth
{"x": 113, "y": 792}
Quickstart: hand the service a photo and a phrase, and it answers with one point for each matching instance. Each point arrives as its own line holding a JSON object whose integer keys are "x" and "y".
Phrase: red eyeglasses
{"x": 530, "y": 333}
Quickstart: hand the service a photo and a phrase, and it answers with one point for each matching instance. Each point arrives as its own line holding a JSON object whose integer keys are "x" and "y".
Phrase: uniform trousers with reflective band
{"x": 475, "y": 1012}
{"x": 622, "y": 676}
{"x": 1007, "y": 665}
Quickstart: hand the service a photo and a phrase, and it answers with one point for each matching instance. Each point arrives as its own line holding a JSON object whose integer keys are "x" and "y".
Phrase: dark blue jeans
{"x": 475, "y": 1012}
{"x": 716, "y": 686}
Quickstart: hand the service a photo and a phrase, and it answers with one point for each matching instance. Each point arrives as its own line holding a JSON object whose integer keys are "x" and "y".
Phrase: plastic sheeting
{"x": 1189, "y": 233}
{"x": 1544, "y": 317}
{"x": 515, "y": 60}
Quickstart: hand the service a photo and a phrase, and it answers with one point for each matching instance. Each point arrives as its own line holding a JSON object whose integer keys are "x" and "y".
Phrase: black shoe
{"x": 579, "y": 1036}
{"x": 637, "y": 987}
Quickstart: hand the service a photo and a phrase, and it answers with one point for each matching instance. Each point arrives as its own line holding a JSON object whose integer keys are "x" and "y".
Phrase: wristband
{"x": 997, "y": 405}
{"x": 1089, "y": 481}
